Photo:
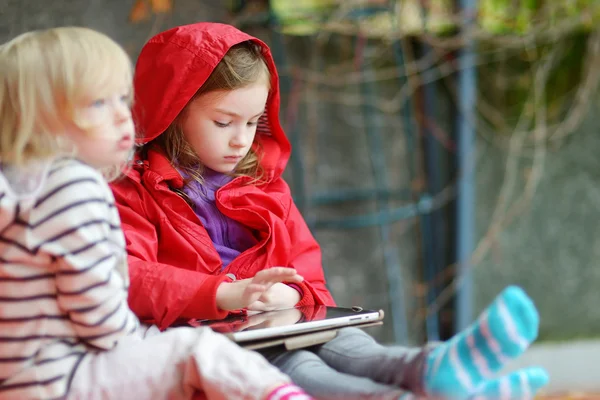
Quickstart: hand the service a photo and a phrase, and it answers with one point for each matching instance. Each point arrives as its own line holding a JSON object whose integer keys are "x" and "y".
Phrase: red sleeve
{"x": 306, "y": 259}
{"x": 161, "y": 293}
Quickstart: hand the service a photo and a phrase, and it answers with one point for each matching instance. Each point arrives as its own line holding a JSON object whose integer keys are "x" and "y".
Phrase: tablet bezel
{"x": 352, "y": 316}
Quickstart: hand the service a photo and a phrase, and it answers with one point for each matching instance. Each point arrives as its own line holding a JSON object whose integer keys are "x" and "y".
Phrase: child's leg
{"x": 519, "y": 385}
{"x": 174, "y": 365}
{"x": 504, "y": 331}
{"x": 309, "y": 372}
{"x": 452, "y": 369}
{"x": 355, "y": 352}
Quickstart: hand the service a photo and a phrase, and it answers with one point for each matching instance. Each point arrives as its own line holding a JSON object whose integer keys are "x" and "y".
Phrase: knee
{"x": 350, "y": 340}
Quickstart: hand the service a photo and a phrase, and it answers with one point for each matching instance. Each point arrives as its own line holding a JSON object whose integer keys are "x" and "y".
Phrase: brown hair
{"x": 242, "y": 65}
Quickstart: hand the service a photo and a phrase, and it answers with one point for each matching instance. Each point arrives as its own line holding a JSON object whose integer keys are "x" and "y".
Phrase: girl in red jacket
{"x": 205, "y": 209}
{"x": 66, "y": 330}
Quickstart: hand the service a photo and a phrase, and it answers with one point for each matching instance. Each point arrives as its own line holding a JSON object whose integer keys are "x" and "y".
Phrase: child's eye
{"x": 126, "y": 98}
{"x": 253, "y": 123}
{"x": 221, "y": 124}
{"x": 98, "y": 103}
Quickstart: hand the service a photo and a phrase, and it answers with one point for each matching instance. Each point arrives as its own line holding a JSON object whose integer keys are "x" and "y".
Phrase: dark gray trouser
{"x": 353, "y": 366}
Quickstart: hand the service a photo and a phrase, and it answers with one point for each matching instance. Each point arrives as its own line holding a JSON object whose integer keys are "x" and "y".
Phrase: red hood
{"x": 174, "y": 64}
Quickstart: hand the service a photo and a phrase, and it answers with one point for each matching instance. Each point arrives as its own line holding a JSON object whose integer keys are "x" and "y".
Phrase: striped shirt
{"x": 63, "y": 276}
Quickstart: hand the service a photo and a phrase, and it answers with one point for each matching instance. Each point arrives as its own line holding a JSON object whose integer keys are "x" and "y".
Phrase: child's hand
{"x": 241, "y": 294}
{"x": 277, "y": 297}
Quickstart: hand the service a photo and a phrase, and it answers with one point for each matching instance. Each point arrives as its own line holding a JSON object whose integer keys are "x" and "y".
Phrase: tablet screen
{"x": 290, "y": 321}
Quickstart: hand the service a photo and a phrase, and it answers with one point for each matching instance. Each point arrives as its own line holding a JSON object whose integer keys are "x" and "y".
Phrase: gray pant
{"x": 353, "y": 366}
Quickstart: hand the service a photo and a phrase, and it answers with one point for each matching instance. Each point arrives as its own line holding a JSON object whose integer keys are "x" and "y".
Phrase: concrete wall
{"x": 553, "y": 248}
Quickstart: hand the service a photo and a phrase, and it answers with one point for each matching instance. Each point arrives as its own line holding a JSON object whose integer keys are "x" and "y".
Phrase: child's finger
{"x": 273, "y": 275}
{"x": 260, "y": 306}
{"x": 284, "y": 274}
{"x": 256, "y": 306}
{"x": 256, "y": 288}
{"x": 282, "y": 271}
{"x": 252, "y": 292}
{"x": 295, "y": 279}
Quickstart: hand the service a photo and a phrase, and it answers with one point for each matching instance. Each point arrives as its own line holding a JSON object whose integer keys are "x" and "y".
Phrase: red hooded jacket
{"x": 175, "y": 269}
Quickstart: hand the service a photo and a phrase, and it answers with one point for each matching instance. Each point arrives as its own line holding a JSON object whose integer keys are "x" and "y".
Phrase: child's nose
{"x": 122, "y": 112}
{"x": 240, "y": 139}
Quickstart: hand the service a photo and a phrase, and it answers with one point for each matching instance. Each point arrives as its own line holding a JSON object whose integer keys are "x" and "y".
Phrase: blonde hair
{"x": 243, "y": 65}
{"x": 44, "y": 76}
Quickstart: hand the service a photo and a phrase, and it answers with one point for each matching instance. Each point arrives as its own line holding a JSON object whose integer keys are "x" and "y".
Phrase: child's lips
{"x": 125, "y": 143}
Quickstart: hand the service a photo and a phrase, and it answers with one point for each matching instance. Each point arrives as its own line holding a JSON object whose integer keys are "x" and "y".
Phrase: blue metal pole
{"x": 466, "y": 173}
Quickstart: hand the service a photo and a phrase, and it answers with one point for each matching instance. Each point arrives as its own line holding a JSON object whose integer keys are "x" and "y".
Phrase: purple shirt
{"x": 229, "y": 237}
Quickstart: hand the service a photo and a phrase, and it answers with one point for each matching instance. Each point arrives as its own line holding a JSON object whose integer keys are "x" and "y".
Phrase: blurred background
{"x": 443, "y": 149}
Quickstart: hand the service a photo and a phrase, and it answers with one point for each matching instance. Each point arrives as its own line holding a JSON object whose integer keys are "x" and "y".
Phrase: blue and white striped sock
{"x": 519, "y": 385}
{"x": 523, "y": 384}
{"x": 457, "y": 368}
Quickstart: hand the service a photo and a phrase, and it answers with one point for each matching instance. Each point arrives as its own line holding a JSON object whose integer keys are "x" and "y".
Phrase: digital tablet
{"x": 288, "y": 322}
